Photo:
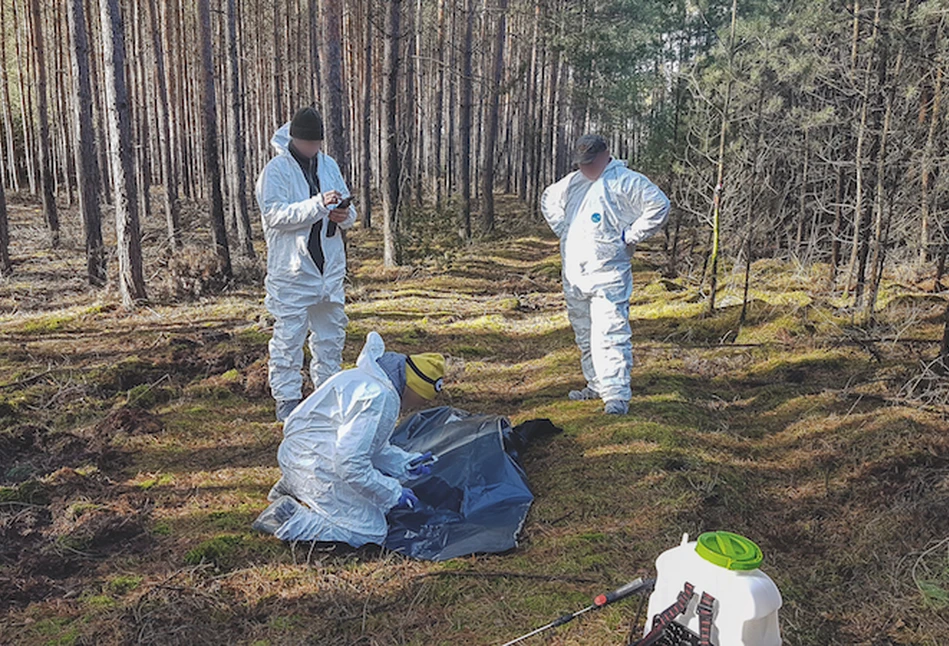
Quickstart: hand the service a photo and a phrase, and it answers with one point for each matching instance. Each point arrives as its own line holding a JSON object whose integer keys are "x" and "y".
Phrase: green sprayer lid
{"x": 730, "y": 551}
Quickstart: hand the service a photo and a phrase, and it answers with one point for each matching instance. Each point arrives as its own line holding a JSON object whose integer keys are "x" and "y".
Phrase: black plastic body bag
{"x": 476, "y": 498}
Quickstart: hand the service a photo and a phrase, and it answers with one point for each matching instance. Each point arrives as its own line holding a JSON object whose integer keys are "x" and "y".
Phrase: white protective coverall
{"x": 336, "y": 457}
{"x": 599, "y": 223}
{"x": 298, "y": 296}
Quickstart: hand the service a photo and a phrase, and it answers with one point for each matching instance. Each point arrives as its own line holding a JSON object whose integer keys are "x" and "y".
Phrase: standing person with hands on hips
{"x": 601, "y": 212}
{"x": 303, "y": 204}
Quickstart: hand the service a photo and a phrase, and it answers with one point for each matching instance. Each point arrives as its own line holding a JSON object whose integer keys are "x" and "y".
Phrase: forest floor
{"x": 137, "y": 448}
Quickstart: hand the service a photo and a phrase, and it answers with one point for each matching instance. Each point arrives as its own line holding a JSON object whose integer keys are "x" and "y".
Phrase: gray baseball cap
{"x": 588, "y": 147}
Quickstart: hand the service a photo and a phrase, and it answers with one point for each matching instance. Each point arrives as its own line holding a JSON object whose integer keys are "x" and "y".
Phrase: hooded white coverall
{"x": 336, "y": 457}
{"x": 599, "y": 223}
{"x": 299, "y": 297}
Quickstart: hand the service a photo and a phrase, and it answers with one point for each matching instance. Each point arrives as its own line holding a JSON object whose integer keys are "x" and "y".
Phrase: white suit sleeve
{"x": 394, "y": 461}
{"x": 276, "y": 213}
{"x": 648, "y": 205}
{"x": 353, "y": 460}
{"x": 553, "y": 204}
{"x": 339, "y": 181}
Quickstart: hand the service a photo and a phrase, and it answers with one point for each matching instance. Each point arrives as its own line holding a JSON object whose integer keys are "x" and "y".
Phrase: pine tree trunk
{"x": 418, "y": 109}
{"x": 857, "y": 250}
{"x": 26, "y": 107}
{"x": 439, "y": 108}
{"x": 87, "y": 159}
{"x": 408, "y": 122}
{"x": 491, "y": 134}
{"x": 390, "y": 83}
{"x": 131, "y": 278}
{"x": 314, "y": 36}
{"x": 882, "y": 214}
{"x": 139, "y": 98}
{"x": 335, "y": 97}
{"x": 45, "y": 153}
{"x": 99, "y": 108}
{"x": 237, "y": 174}
{"x": 719, "y": 184}
{"x": 12, "y": 165}
{"x": 212, "y": 162}
{"x": 172, "y": 205}
{"x": 6, "y": 267}
{"x": 279, "y": 111}
{"x": 926, "y": 170}
{"x": 365, "y": 179}
{"x": 464, "y": 126}
{"x": 65, "y": 111}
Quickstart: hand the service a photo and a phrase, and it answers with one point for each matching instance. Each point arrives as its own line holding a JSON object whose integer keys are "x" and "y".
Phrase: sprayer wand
{"x": 599, "y": 602}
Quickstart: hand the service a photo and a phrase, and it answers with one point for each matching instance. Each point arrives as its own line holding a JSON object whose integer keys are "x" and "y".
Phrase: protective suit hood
{"x": 281, "y": 139}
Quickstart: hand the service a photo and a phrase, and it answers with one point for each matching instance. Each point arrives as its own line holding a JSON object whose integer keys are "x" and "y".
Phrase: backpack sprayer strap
{"x": 664, "y": 618}
{"x": 705, "y": 609}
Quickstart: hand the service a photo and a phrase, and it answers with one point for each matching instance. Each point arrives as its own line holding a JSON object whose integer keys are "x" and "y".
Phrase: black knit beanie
{"x": 307, "y": 124}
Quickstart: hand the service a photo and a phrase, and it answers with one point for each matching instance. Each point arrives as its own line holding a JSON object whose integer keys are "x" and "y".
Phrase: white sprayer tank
{"x": 725, "y": 566}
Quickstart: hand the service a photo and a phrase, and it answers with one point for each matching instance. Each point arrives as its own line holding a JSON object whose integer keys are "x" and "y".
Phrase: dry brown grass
{"x": 136, "y": 449}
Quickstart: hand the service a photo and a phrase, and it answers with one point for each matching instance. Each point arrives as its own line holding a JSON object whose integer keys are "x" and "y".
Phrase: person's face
{"x": 306, "y": 148}
{"x": 412, "y": 401}
{"x": 594, "y": 169}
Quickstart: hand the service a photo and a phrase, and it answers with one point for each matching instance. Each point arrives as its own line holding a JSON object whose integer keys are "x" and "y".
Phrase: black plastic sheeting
{"x": 477, "y": 497}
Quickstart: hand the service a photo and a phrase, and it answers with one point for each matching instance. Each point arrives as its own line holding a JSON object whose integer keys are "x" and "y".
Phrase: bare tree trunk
{"x": 409, "y": 124}
{"x": 943, "y": 365}
{"x": 366, "y": 175}
{"x": 131, "y": 278}
{"x": 26, "y": 108}
{"x": 439, "y": 107}
{"x": 279, "y": 113}
{"x": 547, "y": 156}
{"x": 99, "y": 109}
{"x": 390, "y": 83}
{"x": 6, "y": 267}
{"x": 750, "y": 225}
{"x": 856, "y": 251}
{"x": 64, "y": 103}
{"x": 491, "y": 133}
{"x": 139, "y": 94}
{"x": 316, "y": 90}
{"x": 237, "y": 175}
{"x": 172, "y": 205}
{"x": 12, "y": 165}
{"x": 46, "y": 169}
{"x": 87, "y": 159}
{"x": 926, "y": 170}
{"x": 418, "y": 106}
{"x": 464, "y": 129}
{"x": 717, "y": 200}
{"x": 881, "y": 228}
{"x": 212, "y": 162}
{"x": 335, "y": 97}
{"x": 451, "y": 153}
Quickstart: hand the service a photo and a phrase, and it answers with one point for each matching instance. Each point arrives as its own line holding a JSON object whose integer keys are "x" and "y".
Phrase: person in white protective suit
{"x": 601, "y": 212}
{"x": 306, "y": 263}
{"x": 340, "y": 473}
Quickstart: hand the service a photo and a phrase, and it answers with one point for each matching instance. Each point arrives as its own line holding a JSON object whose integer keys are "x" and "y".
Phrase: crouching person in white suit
{"x": 340, "y": 473}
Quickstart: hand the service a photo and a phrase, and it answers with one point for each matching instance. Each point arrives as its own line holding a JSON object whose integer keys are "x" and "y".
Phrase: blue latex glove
{"x": 407, "y": 500}
{"x": 420, "y": 465}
